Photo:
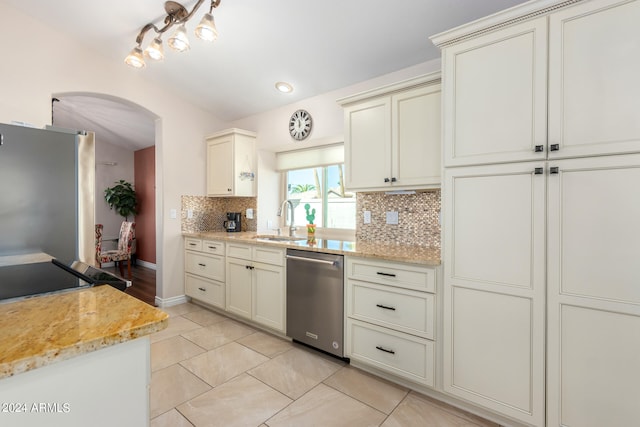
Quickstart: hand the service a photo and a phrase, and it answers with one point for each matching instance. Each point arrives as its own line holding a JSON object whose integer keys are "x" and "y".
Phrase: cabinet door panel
{"x": 494, "y": 288}
{"x": 239, "y": 287}
{"x": 495, "y": 96}
{"x": 220, "y": 168}
{"x": 593, "y": 296}
{"x": 492, "y": 353}
{"x": 415, "y": 142}
{"x": 269, "y": 296}
{"x": 593, "y": 76}
{"x": 367, "y": 149}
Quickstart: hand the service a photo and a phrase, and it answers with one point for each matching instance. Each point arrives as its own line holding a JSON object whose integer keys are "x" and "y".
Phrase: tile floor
{"x": 210, "y": 370}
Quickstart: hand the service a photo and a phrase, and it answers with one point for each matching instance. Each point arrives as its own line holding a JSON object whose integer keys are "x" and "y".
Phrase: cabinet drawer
{"x": 268, "y": 255}
{"x": 209, "y": 291}
{"x": 193, "y": 244}
{"x": 209, "y": 266}
{"x": 400, "y": 309}
{"x": 238, "y": 251}
{"x": 400, "y": 354}
{"x": 394, "y": 274}
{"x": 213, "y": 247}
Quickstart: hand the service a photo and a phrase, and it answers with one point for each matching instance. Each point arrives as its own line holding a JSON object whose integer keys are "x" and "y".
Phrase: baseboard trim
{"x": 168, "y": 302}
{"x": 145, "y": 264}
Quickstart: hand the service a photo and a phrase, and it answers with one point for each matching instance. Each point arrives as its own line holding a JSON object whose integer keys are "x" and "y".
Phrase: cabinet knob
{"x": 539, "y": 148}
{"x": 538, "y": 171}
{"x": 393, "y": 179}
{"x": 554, "y": 147}
{"x": 554, "y": 170}
{"x": 386, "y": 180}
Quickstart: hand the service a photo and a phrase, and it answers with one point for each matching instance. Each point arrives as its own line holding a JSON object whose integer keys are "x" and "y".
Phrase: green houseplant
{"x": 122, "y": 198}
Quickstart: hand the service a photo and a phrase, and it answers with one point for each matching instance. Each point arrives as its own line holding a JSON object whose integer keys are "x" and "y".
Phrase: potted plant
{"x": 122, "y": 198}
{"x": 311, "y": 227}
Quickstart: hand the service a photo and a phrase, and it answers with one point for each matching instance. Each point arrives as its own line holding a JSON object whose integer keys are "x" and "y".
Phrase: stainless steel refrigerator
{"x": 47, "y": 181}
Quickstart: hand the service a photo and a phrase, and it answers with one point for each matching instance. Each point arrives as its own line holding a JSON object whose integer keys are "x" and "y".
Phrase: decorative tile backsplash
{"x": 210, "y": 212}
{"x": 418, "y": 218}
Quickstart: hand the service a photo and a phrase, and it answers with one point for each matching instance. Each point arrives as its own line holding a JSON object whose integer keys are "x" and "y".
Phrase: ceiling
{"x": 317, "y": 46}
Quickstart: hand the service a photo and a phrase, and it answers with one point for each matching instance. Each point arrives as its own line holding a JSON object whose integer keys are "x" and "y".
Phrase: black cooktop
{"x": 25, "y": 280}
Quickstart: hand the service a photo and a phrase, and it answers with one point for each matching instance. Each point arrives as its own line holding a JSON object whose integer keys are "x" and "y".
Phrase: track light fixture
{"x": 177, "y": 14}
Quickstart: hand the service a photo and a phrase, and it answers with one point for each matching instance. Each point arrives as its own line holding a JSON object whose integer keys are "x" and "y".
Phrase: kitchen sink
{"x": 283, "y": 239}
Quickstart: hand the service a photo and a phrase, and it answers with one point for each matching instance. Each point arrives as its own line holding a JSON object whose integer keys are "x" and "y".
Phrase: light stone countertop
{"x": 382, "y": 251}
{"x": 41, "y": 330}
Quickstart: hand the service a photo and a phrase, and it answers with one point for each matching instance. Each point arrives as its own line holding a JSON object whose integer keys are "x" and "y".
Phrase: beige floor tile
{"x": 223, "y": 363}
{"x": 417, "y": 411}
{"x": 266, "y": 344}
{"x": 375, "y": 392}
{"x": 476, "y": 420}
{"x": 172, "y": 350}
{"x": 172, "y": 386}
{"x": 295, "y": 372}
{"x": 218, "y": 334}
{"x": 170, "y": 419}
{"x": 177, "y": 325}
{"x": 325, "y": 406}
{"x": 204, "y": 317}
{"x": 180, "y": 309}
{"x": 243, "y": 401}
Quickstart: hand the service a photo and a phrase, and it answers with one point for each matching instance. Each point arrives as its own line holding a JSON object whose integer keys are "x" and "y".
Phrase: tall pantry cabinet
{"x": 541, "y": 229}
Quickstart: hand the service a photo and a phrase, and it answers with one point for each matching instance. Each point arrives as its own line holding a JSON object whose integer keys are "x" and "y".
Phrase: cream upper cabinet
{"x": 495, "y": 96}
{"x": 392, "y": 136}
{"x": 594, "y": 90}
{"x": 231, "y": 163}
{"x": 494, "y": 293}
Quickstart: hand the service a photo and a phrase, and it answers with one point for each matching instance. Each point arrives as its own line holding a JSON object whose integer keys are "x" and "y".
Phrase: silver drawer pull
{"x": 386, "y": 274}
{"x": 385, "y": 350}
{"x": 202, "y": 265}
{"x": 203, "y": 289}
{"x": 386, "y": 307}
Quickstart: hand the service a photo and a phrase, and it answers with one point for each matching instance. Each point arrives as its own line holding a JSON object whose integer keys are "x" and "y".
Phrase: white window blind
{"x": 324, "y": 155}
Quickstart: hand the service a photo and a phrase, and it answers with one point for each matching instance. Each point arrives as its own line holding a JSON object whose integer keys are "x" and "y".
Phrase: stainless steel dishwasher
{"x": 315, "y": 300}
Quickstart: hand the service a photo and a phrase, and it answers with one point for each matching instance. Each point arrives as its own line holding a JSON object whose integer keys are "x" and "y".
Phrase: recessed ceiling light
{"x": 284, "y": 87}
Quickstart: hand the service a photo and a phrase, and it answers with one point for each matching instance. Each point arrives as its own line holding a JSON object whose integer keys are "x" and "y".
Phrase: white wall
{"x": 328, "y": 127}
{"x": 106, "y": 176}
{"x": 42, "y": 61}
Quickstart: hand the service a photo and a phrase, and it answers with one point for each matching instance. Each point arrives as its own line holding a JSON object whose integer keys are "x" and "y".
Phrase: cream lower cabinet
{"x": 593, "y": 372}
{"x": 494, "y": 288}
{"x": 391, "y": 318}
{"x": 205, "y": 271}
{"x": 256, "y": 287}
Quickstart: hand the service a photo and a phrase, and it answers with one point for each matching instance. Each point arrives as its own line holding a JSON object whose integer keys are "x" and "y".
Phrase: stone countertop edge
{"x": 42, "y": 330}
{"x": 413, "y": 254}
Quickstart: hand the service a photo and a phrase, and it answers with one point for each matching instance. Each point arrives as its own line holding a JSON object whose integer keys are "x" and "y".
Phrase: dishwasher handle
{"x": 319, "y": 261}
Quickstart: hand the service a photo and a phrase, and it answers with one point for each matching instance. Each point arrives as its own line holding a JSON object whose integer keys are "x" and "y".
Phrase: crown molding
{"x": 524, "y": 12}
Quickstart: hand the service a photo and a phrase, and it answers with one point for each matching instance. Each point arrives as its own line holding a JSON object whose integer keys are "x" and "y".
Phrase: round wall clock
{"x": 300, "y": 125}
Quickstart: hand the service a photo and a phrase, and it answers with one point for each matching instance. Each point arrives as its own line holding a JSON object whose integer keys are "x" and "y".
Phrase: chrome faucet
{"x": 292, "y": 227}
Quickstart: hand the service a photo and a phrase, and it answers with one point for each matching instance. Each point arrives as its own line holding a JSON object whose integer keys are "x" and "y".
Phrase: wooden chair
{"x": 122, "y": 253}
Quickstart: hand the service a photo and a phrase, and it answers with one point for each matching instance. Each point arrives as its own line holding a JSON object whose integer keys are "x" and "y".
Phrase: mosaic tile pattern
{"x": 418, "y": 222}
{"x": 209, "y": 213}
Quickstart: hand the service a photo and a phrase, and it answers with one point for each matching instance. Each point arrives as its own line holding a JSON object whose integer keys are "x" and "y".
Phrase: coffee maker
{"x": 233, "y": 222}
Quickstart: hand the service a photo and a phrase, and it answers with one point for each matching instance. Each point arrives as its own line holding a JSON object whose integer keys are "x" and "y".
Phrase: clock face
{"x": 300, "y": 125}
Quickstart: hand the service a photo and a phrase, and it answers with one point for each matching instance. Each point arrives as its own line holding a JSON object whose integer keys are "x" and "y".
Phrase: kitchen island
{"x": 76, "y": 358}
